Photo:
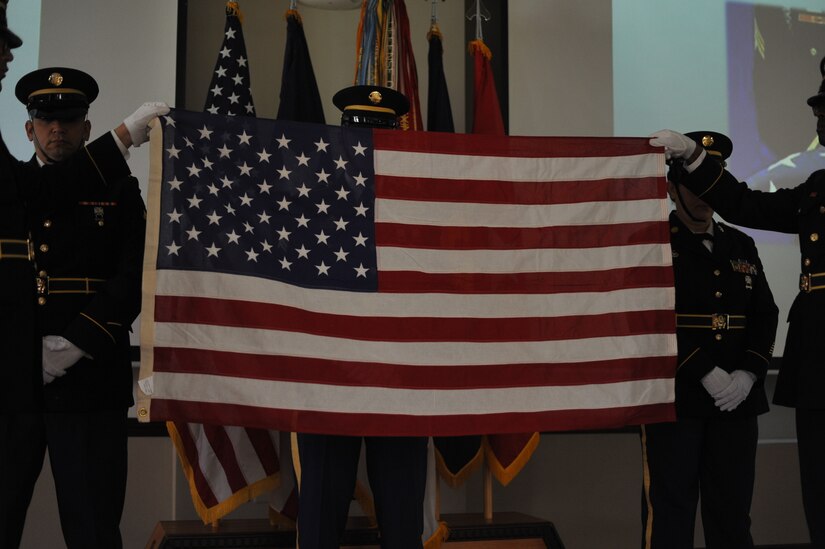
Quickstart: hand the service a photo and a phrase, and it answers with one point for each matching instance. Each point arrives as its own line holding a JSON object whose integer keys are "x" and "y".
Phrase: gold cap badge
{"x": 707, "y": 140}
{"x": 55, "y": 79}
{"x": 375, "y": 97}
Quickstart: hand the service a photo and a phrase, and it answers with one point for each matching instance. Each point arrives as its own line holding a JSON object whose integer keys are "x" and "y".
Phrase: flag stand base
{"x": 467, "y": 531}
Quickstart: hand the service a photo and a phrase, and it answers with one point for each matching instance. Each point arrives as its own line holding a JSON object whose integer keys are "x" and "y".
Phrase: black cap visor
{"x": 816, "y": 100}
{"x": 58, "y": 106}
{"x": 11, "y": 39}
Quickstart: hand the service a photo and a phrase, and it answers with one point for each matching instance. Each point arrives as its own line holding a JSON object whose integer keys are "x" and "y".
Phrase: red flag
{"x": 363, "y": 282}
{"x": 486, "y": 108}
{"x": 506, "y": 454}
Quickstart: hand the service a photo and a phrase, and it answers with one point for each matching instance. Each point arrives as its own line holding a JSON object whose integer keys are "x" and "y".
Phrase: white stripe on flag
{"x": 457, "y": 214}
{"x": 209, "y": 464}
{"x": 415, "y": 353}
{"x": 380, "y": 400}
{"x": 254, "y": 289}
{"x": 523, "y": 261}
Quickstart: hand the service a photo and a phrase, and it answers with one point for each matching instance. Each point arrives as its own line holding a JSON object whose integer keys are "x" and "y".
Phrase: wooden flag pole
{"x": 437, "y": 497}
{"x": 488, "y": 493}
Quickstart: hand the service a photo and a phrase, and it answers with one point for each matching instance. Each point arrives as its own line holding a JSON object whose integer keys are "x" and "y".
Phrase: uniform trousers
{"x": 712, "y": 457}
{"x": 810, "y": 435}
{"x": 88, "y": 457}
{"x": 397, "y": 472}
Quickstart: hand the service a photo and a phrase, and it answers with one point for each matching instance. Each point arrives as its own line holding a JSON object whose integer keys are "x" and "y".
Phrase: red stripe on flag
{"x": 511, "y": 146}
{"x": 344, "y": 373}
{"x": 526, "y": 283}
{"x": 404, "y": 425}
{"x": 191, "y": 454}
{"x": 507, "y": 238}
{"x": 244, "y": 314}
{"x": 261, "y": 440}
{"x": 518, "y": 192}
{"x": 224, "y": 450}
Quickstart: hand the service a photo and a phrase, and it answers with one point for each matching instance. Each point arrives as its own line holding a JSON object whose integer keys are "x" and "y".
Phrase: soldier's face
{"x": 689, "y": 202}
{"x": 56, "y": 139}
{"x": 819, "y": 113}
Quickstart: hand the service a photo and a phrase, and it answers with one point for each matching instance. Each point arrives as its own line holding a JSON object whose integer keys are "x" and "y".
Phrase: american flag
{"x": 314, "y": 278}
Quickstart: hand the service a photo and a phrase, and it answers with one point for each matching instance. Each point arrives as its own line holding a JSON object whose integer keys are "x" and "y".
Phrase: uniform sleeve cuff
{"x": 121, "y": 147}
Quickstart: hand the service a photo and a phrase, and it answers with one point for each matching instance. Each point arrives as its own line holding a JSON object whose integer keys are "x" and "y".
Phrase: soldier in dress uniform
{"x": 21, "y": 385}
{"x": 328, "y": 464}
{"x": 86, "y": 251}
{"x": 799, "y": 210}
{"x": 725, "y": 326}
{"x": 21, "y": 378}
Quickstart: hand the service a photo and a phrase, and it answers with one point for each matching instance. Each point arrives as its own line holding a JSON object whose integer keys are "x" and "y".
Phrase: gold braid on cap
{"x": 46, "y": 91}
{"x": 369, "y": 108}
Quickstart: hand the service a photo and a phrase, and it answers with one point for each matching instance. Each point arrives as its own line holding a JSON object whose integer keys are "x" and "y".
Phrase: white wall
{"x": 128, "y": 47}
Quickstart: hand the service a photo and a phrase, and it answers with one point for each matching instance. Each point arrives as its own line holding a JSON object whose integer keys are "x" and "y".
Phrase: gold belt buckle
{"x": 41, "y": 285}
{"x": 805, "y": 283}
{"x": 719, "y": 322}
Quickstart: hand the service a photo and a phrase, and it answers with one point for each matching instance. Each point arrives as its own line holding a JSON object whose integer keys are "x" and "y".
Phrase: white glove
{"x": 676, "y": 145}
{"x": 716, "y": 381}
{"x": 137, "y": 123}
{"x": 47, "y": 377}
{"x": 59, "y": 354}
{"x": 735, "y": 393}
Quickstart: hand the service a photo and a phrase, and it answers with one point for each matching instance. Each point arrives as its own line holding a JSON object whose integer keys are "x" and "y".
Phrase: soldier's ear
{"x": 87, "y": 129}
{"x": 30, "y": 130}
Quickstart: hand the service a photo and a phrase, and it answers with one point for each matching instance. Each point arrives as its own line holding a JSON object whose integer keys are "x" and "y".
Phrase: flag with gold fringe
{"x": 506, "y": 454}
{"x": 226, "y": 466}
{"x": 456, "y": 457}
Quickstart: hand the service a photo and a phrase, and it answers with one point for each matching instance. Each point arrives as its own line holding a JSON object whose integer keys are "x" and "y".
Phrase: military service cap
{"x": 815, "y": 100}
{"x": 371, "y": 106}
{"x": 11, "y": 39}
{"x": 56, "y": 92}
{"x": 716, "y": 144}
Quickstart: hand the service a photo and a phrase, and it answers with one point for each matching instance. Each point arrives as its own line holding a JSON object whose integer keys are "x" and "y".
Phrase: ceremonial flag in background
{"x": 229, "y": 91}
{"x": 301, "y": 102}
{"x": 300, "y": 99}
{"x": 456, "y": 457}
{"x": 226, "y": 466}
{"x": 365, "y": 282}
{"x": 439, "y": 111}
{"x": 384, "y": 54}
{"x": 486, "y": 109}
{"x": 506, "y": 454}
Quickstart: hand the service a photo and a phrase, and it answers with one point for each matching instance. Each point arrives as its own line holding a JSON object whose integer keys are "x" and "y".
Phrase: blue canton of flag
{"x": 288, "y": 201}
{"x": 229, "y": 91}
